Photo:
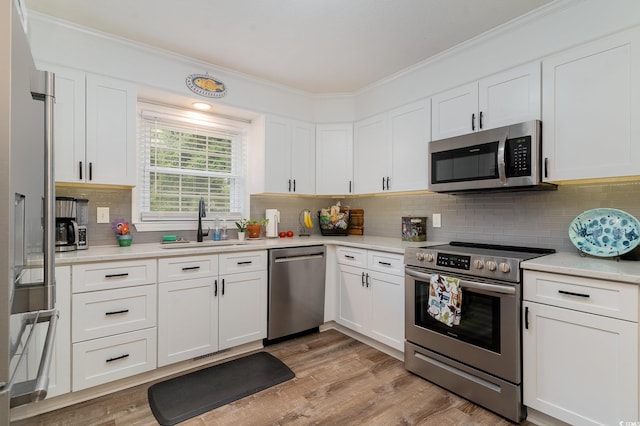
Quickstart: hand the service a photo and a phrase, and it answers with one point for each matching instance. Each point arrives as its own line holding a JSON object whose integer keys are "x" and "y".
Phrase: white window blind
{"x": 185, "y": 158}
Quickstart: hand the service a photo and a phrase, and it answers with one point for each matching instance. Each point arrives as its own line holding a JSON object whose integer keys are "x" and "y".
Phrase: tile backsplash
{"x": 539, "y": 218}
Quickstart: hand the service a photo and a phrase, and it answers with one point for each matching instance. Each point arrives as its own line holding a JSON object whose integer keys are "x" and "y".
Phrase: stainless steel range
{"x": 480, "y": 358}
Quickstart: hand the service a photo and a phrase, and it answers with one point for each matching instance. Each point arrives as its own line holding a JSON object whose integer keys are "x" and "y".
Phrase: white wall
{"x": 57, "y": 42}
{"x": 562, "y": 24}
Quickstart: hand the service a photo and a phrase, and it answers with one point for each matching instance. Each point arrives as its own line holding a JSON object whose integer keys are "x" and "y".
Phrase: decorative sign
{"x": 205, "y": 85}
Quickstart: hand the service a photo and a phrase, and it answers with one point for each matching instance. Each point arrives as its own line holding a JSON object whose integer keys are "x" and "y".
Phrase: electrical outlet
{"x": 103, "y": 215}
{"x": 436, "y": 218}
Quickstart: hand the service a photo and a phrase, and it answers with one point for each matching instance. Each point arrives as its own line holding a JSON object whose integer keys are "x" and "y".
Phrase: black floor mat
{"x": 178, "y": 399}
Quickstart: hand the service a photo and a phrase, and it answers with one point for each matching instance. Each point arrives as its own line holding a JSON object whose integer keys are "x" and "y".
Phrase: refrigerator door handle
{"x": 36, "y": 389}
{"x": 43, "y": 87}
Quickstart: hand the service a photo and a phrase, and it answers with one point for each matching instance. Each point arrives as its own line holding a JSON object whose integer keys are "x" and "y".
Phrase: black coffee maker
{"x": 66, "y": 225}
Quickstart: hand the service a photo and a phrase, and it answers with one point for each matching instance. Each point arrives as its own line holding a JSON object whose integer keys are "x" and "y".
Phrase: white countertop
{"x": 627, "y": 271}
{"x": 140, "y": 251}
{"x": 569, "y": 263}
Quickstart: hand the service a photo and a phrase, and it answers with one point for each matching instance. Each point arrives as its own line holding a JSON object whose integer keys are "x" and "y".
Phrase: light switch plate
{"x": 103, "y": 215}
{"x": 436, "y": 219}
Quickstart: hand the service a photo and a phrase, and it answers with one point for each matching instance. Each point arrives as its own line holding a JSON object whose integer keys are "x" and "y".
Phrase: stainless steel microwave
{"x": 505, "y": 158}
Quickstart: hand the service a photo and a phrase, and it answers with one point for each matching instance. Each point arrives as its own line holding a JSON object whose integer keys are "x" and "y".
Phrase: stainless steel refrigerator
{"x": 27, "y": 197}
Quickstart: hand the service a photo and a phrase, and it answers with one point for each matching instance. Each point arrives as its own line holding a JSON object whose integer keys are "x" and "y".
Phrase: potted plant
{"x": 121, "y": 228}
{"x": 242, "y": 228}
{"x": 254, "y": 227}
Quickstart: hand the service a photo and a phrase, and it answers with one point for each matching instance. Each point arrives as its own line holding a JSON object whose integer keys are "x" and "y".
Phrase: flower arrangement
{"x": 120, "y": 227}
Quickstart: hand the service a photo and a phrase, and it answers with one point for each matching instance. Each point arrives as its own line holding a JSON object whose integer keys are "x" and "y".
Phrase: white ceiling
{"x": 318, "y": 46}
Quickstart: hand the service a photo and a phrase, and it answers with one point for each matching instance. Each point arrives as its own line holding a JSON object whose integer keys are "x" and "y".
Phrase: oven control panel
{"x": 455, "y": 261}
{"x": 502, "y": 268}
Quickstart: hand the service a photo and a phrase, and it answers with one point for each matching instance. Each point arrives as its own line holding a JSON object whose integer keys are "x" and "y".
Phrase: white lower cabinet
{"x": 115, "y": 357}
{"x": 188, "y": 319}
{"x": 205, "y": 310}
{"x": 113, "y": 331}
{"x": 371, "y": 302}
{"x": 580, "y": 349}
{"x": 242, "y": 314}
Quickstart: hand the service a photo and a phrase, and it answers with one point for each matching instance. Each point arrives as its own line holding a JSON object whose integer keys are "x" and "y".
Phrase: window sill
{"x": 173, "y": 226}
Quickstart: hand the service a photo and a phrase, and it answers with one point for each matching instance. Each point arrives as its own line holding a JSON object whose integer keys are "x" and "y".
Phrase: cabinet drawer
{"x": 104, "y": 360}
{"x": 608, "y": 298}
{"x": 232, "y": 263}
{"x": 352, "y": 256}
{"x": 389, "y": 263}
{"x": 184, "y": 268}
{"x": 102, "y": 276}
{"x": 104, "y": 313}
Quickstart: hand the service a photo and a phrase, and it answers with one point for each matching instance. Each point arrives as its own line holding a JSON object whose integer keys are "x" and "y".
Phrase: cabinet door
{"x": 187, "y": 319}
{"x": 580, "y": 368}
{"x": 387, "y": 309}
{"x": 69, "y": 126}
{"x": 355, "y": 299}
{"x": 334, "y": 159}
{"x": 371, "y": 155}
{"x": 454, "y": 112}
{"x": 510, "y": 97}
{"x": 243, "y": 308}
{"x": 591, "y": 105}
{"x": 409, "y": 134}
{"x": 303, "y": 158}
{"x": 111, "y": 131}
{"x": 277, "y": 155}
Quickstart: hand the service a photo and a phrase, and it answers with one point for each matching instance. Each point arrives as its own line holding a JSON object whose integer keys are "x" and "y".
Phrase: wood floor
{"x": 339, "y": 381}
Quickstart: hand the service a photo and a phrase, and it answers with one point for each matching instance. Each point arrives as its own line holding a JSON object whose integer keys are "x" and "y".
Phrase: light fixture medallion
{"x": 201, "y": 106}
{"x": 205, "y": 85}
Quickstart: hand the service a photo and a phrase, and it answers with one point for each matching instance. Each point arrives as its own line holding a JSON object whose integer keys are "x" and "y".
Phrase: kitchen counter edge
{"x": 610, "y": 269}
{"x": 156, "y": 250}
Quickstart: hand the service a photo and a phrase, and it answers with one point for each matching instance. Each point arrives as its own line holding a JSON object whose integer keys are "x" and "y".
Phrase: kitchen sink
{"x": 204, "y": 244}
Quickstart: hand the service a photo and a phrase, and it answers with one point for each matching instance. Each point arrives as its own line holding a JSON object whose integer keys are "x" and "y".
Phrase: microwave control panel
{"x": 518, "y": 156}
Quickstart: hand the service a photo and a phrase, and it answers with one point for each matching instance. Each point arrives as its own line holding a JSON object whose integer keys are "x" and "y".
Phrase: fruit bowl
{"x": 338, "y": 225}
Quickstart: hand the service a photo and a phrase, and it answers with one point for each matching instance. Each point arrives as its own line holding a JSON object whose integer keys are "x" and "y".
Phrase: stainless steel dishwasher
{"x": 296, "y": 290}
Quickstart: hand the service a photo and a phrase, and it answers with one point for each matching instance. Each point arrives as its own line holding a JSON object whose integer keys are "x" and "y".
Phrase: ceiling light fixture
{"x": 202, "y": 106}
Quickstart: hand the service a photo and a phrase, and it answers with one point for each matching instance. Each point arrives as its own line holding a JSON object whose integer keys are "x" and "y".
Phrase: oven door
{"x": 488, "y": 336}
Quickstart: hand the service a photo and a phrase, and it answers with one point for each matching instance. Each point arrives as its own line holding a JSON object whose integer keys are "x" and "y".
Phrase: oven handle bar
{"x": 502, "y": 289}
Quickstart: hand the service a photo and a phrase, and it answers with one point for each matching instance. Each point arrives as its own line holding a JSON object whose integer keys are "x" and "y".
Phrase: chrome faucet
{"x": 202, "y": 212}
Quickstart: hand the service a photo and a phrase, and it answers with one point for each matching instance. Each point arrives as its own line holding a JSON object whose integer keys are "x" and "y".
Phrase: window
{"x": 184, "y": 156}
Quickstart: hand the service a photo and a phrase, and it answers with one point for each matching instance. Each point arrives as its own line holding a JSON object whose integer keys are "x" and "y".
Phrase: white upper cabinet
{"x": 69, "y": 125}
{"x": 390, "y": 150}
{"x": 409, "y": 135}
{"x": 509, "y": 97}
{"x": 334, "y": 159}
{"x": 94, "y": 129}
{"x": 371, "y": 154}
{"x": 590, "y": 111}
{"x": 454, "y": 112}
{"x": 290, "y": 156}
{"x": 111, "y": 131}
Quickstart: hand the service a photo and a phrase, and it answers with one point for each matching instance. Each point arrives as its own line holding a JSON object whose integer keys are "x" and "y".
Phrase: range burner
{"x": 494, "y": 261}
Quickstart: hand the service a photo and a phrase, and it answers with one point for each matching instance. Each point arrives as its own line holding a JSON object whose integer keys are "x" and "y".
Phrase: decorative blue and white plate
{"x": 605, "y": 232}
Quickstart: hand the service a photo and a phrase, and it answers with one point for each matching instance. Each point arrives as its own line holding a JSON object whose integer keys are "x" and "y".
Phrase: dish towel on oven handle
{"x": 445, "y": 299}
